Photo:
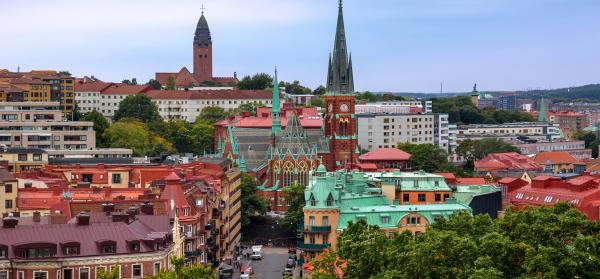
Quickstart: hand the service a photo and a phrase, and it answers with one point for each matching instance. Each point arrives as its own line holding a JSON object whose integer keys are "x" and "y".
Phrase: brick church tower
{"x": 202, "y": 51}
{"x": 340, "y": 119}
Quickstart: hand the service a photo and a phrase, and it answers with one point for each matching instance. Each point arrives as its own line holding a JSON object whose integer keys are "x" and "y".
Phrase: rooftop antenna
{"x": 441, "y": 87}
{"x": 18, "y": 69}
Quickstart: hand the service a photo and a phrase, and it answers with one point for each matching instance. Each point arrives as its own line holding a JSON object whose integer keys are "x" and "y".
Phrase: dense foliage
{"x": 194, "y": 271}
{"x": 259, "y": 81}
{"x": 295, "y": 88}
{"x": 590, "y": 139}
{"x": 213, "y": 114}
{"x": 137, "y": 106}
{"x": 557, "y": 242}
{"x": 461, "y": 110}
{"x": 473, "y": 150}
{"x": 431, "y": 158}
{"x": 294, "y": 196}
{"x": 155, "y": 84}
{"x": 252, "y": 203}
{"x": 134, "y": 134}
{"x": 100, "y": 125}
{"x": 364, "y": 97}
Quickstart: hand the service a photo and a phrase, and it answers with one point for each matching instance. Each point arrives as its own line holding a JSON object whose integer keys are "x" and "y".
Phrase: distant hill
{"x": 584, "y": 93}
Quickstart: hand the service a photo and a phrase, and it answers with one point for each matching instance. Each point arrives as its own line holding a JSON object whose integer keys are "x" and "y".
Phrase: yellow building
{"x": 8, "y": 191}
{"x": 33, "y": 90}
{"x": 20, "y": 159}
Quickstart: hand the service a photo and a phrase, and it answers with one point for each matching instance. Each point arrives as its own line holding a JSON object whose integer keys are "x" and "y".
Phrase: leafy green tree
{"x": 194, "y": 271}
{"x": 155, "y": 84}
{"x": 320, "y": 90}
{"x": 100, "y": 125}
{"x": 473, "y": 150}
{"x": 133, "y": 81}
{"x": 317, "y": 101}
{"x": 177, "y": 132}
{"x": 587, "y": 137}
{"x": 213, "y": 114}
{"x": 427, "y": 157}
{"x": 134, "y": 134}
{"x": 115, "y": 273}
{"x": 259, "y": 81}
{"x": 295, "y": 88}
{"x": 75, "y": 115}
{"x": 137, "y": 106}
{"x": 170, "y": 83}
{"x": 64, "y": 73}
{"x": 294, "y": 196}
{"x": 594, "y": 147}
{"x": 249, "y": 108}
{"x": 252, "y": 203}
{"x": 201, "y": 136}
{"x": 363, "y": 261}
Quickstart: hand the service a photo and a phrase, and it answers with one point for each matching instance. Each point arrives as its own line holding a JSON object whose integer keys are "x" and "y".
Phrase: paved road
{"x": 272, "y": 264}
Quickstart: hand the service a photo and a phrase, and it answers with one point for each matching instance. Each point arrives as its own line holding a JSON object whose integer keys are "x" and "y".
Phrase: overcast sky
{"x": 396, "y": 45}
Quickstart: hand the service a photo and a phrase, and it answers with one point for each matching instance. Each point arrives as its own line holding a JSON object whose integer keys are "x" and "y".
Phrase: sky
{"x": 396, "y": 45}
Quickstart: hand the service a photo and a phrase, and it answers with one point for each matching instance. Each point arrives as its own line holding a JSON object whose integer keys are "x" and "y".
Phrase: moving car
{"x": 257, "y": 252}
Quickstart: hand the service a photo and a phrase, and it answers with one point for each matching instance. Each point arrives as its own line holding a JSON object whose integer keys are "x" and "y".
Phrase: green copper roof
{"x": 542, "y": 111}
{"x": 413, "y": 181}
{"x": 276, "y": 107}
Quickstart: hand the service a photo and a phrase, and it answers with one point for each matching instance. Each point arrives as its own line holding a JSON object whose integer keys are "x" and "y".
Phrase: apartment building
{"x": 379, "y": 130}
{"x": 18, "y": 159}
{"x": 396, "y": 107}
{"x": 8, "y": 191}
{"x": 510, "y": 131}
{"x": 187, "y": 104}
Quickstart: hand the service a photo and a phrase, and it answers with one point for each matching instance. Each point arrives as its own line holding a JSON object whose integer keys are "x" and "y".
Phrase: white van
{"x": 257, "y": 252}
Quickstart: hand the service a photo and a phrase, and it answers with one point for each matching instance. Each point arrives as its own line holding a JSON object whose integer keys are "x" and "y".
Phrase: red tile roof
{"x": 554, "y": 157}
{"x": 385, "y": 154}
{"x": 266, "y": 122}
{"x": 471, "y": 181}
{"x": 506, "y": 161}
{"x": 209, "y": 94}
{"x": 98, "y": 86}
{"x": 120, "y": 88}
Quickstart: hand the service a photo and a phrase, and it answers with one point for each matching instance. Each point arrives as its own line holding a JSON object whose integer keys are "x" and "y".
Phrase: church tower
{"x": 340, "y": 118}
{"x": 202, "y": 51}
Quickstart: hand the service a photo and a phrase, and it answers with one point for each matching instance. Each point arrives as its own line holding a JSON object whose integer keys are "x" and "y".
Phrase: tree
{"x": 259, "y": 81}
{"x": 427, "y": 157}
{"x": 170, "y": 83}
{"x": 473, "y": 150}
{"x": 137, "y": 106}
{"x": 194, "y": 271}
{"x": 294, "y": 195}
{"x": 201, "y": 136}
{"x": 100, "y": 125}
{"x": 327, "y": 266}
{"x": 75, "y": 115}
{"x": 133, "y": 81}
{"x": 295, "y": 88}
{"x": 252, "y": 203}
{"x": 133, "y": 134}
{"x": 317, "y": 101}
{"x": 321, "y": 90}
{"x": 249, "y": 108}
{"x": 213, "y": 114}
{"x": 64, "y": 73}
{"x": 115, "y": 273}
{"x": 363, "y": 260}
{"x": 155, "y": 84}
{"x": 177, "y": 132}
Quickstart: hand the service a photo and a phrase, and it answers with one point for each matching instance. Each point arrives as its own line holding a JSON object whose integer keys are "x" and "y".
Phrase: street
{"x": 272, "y": 264}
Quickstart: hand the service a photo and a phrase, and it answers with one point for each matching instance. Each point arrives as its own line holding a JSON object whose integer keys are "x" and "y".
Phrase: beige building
{"x": 8, "y": 191}
{"x": 18, "y": 159}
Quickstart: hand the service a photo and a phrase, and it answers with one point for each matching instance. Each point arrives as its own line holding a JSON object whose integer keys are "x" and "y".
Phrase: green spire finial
{"x": 542, "y": 111}
{"x": 276, "y": 108}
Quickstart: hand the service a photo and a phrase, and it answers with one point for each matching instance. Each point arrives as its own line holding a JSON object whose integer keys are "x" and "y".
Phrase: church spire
{"x": 339, "y": 78}
{"x": 542, "y": 111}
{"x": 202, "y": 35}
{"x": 276, "y": 108}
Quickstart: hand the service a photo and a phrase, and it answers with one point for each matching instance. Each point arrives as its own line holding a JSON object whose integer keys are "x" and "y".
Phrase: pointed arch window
{"x": 312, "y": 200}
{"x": 330, "y": 200}
{"x": 288, "y": 173}
{"x": 303, "y": 173}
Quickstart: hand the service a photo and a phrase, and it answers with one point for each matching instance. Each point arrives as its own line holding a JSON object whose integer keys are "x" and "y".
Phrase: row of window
{"x": 84, "y": 272}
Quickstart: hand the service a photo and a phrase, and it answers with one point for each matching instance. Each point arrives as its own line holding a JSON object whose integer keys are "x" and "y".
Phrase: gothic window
{"x": 288, "y": 174}
{"x": 302, "y": 173}
{"x": 312, "y": 201}
{"x": 330, "y": 200}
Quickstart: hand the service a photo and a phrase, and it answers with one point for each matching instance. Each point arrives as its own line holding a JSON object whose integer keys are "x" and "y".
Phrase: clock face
{"x": 344, "y": 108}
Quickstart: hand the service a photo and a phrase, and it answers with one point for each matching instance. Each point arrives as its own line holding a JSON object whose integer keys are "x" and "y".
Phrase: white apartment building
{"x": 542, "y": 131}
{"x": 187, "y": 104}
{"x": 376, "y": 130}
{"x": 104, "y": 97}
{"x": 395, "y": 107}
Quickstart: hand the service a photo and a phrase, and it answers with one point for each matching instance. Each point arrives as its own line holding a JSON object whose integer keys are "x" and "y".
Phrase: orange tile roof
{"x": 385, "y": 154}
{"x": 120, "y": 88}
{"x": 507, "y": 161}
{"x": 98, "y": 86}
{"x": 554, "y": 157}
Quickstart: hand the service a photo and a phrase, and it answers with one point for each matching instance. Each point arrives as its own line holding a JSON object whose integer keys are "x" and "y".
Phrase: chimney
{"x": 120, "y": 217}
{"x": 147, "y": 208}
{"x": 37, "y": 216}
{"x": 58, "y": 218}
{"x": 132, "y": 211}
{"x": 10, "y": 222}
{"x": 83, "y": 218}
{"x": 28, "y": 185}
{"x": 108, "y": 207}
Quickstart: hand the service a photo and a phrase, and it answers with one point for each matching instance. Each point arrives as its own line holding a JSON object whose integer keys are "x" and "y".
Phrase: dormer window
{"x": 107, "y": 247}
{"x": 36, "y": 250}
{"x": 330, "y": 200}
{"x": 70, "y": 248}
{"x": 312, "y": 201}
{"x": 134, "y": 246}
{"x": 3, "y": 252}
{"x": 186, "y": 211}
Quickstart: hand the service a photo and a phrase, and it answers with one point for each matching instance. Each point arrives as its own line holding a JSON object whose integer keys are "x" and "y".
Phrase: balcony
{"x": 318, "y": 229}
{"x": 311, "y": 247}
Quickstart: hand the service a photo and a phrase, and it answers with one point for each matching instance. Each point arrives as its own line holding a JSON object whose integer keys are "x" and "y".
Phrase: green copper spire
{"x": 542, "y": 111}
{"x": 276, "y": 109}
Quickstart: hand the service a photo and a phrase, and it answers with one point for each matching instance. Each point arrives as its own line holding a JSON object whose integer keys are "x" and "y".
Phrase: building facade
{"x": 542, "y": 131}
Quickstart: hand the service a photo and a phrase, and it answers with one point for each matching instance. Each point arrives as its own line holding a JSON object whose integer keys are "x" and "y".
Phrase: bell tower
{"x": 340, "y": 118}
{"x": 202, "y": 51}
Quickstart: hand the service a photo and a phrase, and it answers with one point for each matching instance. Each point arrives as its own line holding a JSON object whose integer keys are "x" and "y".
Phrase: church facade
{"x": 285, "y": 145}
{"x": 202, "y": 58}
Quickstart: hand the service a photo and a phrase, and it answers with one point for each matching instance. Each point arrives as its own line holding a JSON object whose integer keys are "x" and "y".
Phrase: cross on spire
{"x": 202, "y": 9}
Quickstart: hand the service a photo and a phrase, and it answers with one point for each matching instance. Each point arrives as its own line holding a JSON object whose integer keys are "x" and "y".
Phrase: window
{"x": 385, "y": 219}
{"x": 330, "y": 200}
{"x": 199, "y": 202}
{"x": 325, "y": 221}
{"x": 32, "y": 253}
{"x": 156, "y": 268}
{"x": 84, "y": 273}
{"x": 8, "y": 188}
{"x": 135, "y": 247}
{"x": 186, "y": 211}
{"x": 37, "y": 157}
{"x": 446, "y": 196}
{"x": 421, "y": 197}
{"x": 311, "y": 239}
{"x": 406, "y": 197}
{"x": 40, "y": 275}
{"x": 3, "y": 253}
{"x": 20, "y": 275}
{"x": 201, "y": 240}
{"x": 4, "y": 274}
{"x": 413, "y": 220}
{"x": 22, "y": 157}
{"x": 438, "y": 197}
{"x": 116, "y": 178}
{"x": 68, "y": 273}
{"x": 71, "y": 250}
{"x": 136, "y": 270}
{"x": 108, "y": 249}
{"x": 311, "y": 220}
{"x": 312, "y": 201}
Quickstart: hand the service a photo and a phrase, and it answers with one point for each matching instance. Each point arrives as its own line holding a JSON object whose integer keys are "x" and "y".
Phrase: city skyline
{"x": 401, "y": 47}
